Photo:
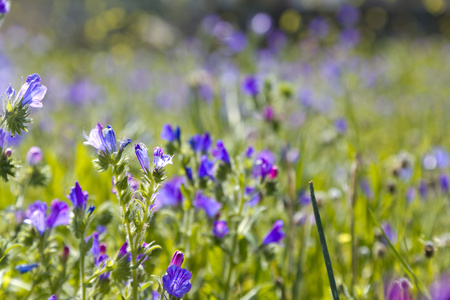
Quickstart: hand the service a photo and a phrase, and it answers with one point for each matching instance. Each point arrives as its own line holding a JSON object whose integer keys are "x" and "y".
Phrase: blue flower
{"x": 110, "y": 139}
{"x": 160, "y": 159}
{"x": 220, "y": 228}
{"x": 26, "y": 268}
{"x": 440, "y": 288}
{"x": 276, "y": 234}
{"x": 4, "y": 7}
{"x": 264, "y": 165}
{"x": 445, "y": 182}
{"x": 253, "y": 195}
{"x": 390, "y": 233}
{"x": 341, "y": 125}
{"x": 170, "y": 193}
{"x": 32, "y": 92}
{"x": 220, "y": 152}
{"x": 123, "y": 252}
{"x": 209, "y": 205}
{"x": 78, "y": 197}
{"x": 96, "y": 138}
{"x": 200, "y": 143}
{"x": 189, "y": 174}
{"x": 176, "y": 281}
{"x": 206, "y": 168}
{"x": 347, "y": 15}
{"x": 249, "y": 152}
{"x": 123, "y": 143}
{"x": 169, "y": 134}
{"x": 3, "y": 138}
{"x": 142, "y": 156}
{"x": 399, "y": 290}
{"x": 251, "y": 86}
{"x": 52, "y": 297}
{"x": 37, "y": 215}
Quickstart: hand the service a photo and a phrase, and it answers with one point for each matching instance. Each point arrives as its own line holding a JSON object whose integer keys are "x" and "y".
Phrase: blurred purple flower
{"x": 444, "y": 181}
{"x": 341, "y": 125}
{"x": 169, "y": 134}
{"x": 200, "y": 143}
{"x": 440, "y": 288}
{"x": 37, "y": 215}
{"x": 4, "y": 7}
{"x": 253, "y": 195}
{"x": 34, "y": 156}
{"x": 276, "y": 234}
{"x": 261, "y": 23}
{"x": 26, "y": 268}
{"x": 276, "y": 40}
{"x": 170, "y": 193}
{"x": 220, "y": 228}
{"x": 347, "y": 15}
{"x": 83, "y": 91}
{"x": 78, "y": 197}
{"x": 398, "y": 290}
{"x": 52, "y": 297}
{"x": 304, "y": 198}
{"x": 422, "y": 189}
{"x": 206, "y": 168}
{"x": 349, "y": 37}
{"x": 319, "y": 27}
{"x": 390, "y": 233}
{"x": 268, "y": 113}
{"x": 251, "y": 86}
{"x": 236, "y": 42}
{"x": 306, "y": 97}
{"x": 176, "y": 281}
{"x": 205, "y": 92}
{"x": 3, "y": 138}
{"x": 442, "y": 157}
{"x": 220, "y": 152}
{"x": 411, "y": 194}
{"x": 249, "y": 152}
{"x": 209, "y": 205}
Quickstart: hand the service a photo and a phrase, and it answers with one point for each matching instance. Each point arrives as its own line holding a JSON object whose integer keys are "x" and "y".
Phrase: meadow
{"x": 180, "y": 166}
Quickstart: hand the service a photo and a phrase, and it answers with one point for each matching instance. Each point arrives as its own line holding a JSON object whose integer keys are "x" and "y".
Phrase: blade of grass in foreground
{"x": 417, "y": 283}
{"x": 323, "y": 244}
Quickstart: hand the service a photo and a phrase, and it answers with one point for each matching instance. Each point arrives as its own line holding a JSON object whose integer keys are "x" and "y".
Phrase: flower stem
{"x": 82, "y": 256}
{"x": 323, "y": 244}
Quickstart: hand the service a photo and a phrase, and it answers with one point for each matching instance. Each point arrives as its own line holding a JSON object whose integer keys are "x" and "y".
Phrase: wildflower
{"x": 96, "y": 138}
{"x": 78, "y": 197}
{"x": 65, "y": 253}
{"x": 155, "y": 295}
{"x": 251, "y": 86}
{"x": 347, "y": 15}
{"x": 276, "y": 234}
{"x": 220, "y": 152}
{"x": 34, "y": 156}
{"x": 170, "y": 193}
{"x": 268, "y": 113}
{"x": 264, "y": 165}
{"x": 177, "y": 259}
{"x": 399, "y": 290}
{"x": 390, "y": 233}
{"x": 440, "y": 288}
{"x": 205, "y": 169}
{"x": 4, "y": 7}
{"x": 249, "y": 152}
{"x": 253, "y": 195}
{"x": 445, "y": 182}
{"x": 169, "y": 134}
{"x": 341, "y": 125}
{"x": 422, "y": 189}
{"x": 142, "y": 156}
{"x": 319, "y": 27}
{"x": 261, "y": 23}
{"x": 176, "y": 281}
{"x": 26, "y": 268}
{"x": 209, "y": 205}
{"x": 3, "y": 138}
{"x": 200, "y": 143}
{"x": 189, "y": 174}
{"x": 123, "y": 143}
{"x": 220, "y": 228}
{"x": 32, "y": 91}
{"x": 110, "y": 139}
{"x": 160, "y": 159}
{"x": 37, "y": 215}
{"x": 123, "y": 252}
{"x": 52, "y": 297}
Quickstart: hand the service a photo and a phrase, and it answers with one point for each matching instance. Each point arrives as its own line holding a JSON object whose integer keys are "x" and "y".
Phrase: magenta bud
{"x": 268, "y": 113}
{"x": 102, "y": 248}
{"x": 273, "y": 172}
{"x": 8, "y": 152}
{"x": 177, "y": 259}
{"x": 34, "y": 156}
{"x": 66, "y": 252}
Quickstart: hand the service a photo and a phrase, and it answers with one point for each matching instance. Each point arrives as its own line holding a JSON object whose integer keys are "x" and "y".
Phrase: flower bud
{"x": 8, "y": 152}
{"x": 34, "y": 156}
{"x": 65, "y": 253}
{"x": 177, "y": 259}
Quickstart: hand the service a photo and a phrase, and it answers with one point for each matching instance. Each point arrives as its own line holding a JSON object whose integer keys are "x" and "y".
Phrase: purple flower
{"x": 276, "y": 234}
{"x": 445, "y": 182}
{"x": 236, "y": 42}
{"x": 442, "y": 157}
{"x": 3, "y": 138}
{"x": 176, "y": 281}
{"x": 341, "y": 125}
{"x": 440, "y": 289}
{"x": 142, "y": 156}
{"x": 160, "y": 159}
{"x": 253, "y": 195}
{"x": 261, "y": 23}
{"x": 177, "y": 259}
{"x": 220, "y": 152}
{"x": 349, "y": 37}
{"x": 4, "y": 7}
{"x": 205, "y": 169}
{"x": 78, "y": 197}
{"x": 263, "y": 165}
{"x": 52, "y": 297}
{"x": 390, "y": 233}
{"x": 422, "y": 189}
{"x": 399, "y": 290}
{"x": 96, "y": 138}
{"x": 34, "y": 156}
{"x": 319, "y": 27}
{"x": 169, "y": 134}
{"x": 189, "y": 174}
{"x": 200, "y": 143}
{"x": 32, "y": 91}
{"x": 170, "y": 193}
{"x": 249, "y": 152}
{"x": 347, "y": 15}
{"x": 110, "y": 139}
{"x": 155, "y": 295}
{"x": 220, "y": 228}
{"x": 268, "y": 113}
{"x": 251, "y": 86}
{"x": 26, "y": 268}
{"x": 123, "y": 143}
{"x": 95, "y": 249}
{"x": 209, "y": 205}
{"x": 37, "y": 215}
{"x": 205, "y": 92}
{"x": 123, "y": 252}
